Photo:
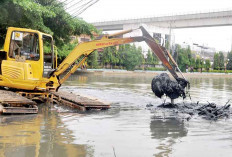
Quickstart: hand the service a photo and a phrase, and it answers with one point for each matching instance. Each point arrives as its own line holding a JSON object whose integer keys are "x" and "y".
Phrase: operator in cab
{"x": 24, "y": 44}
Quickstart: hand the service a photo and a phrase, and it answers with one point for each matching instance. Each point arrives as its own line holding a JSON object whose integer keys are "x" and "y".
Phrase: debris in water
{"x": 162, "y": 84}
{"x": 209, "y": 111}
{"x": 149, "y": 105}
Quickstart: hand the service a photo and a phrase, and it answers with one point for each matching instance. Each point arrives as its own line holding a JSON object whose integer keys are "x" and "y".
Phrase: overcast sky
{"x": 218, "y": 37}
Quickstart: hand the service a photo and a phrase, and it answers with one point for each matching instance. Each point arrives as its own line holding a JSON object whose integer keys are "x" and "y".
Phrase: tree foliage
{"x": 184, "y": 58}
{"x": 218, "y": 61}
{"x": 93, "y": 60}
{"x": 192, "y": 62}
{"x": 151, "y": 58}
{"x": 127, "y": 56}
{"x": 108, "y": 56}
{"x": 65, "y": 49}
{"x": 48, "y": 16}
{"x": 221, "y": 61}
{"x": 132, "y": 57}
{"x": 229, "y": 59}
{"x": 207, "y": 64}
{"x": 198, "y": 63}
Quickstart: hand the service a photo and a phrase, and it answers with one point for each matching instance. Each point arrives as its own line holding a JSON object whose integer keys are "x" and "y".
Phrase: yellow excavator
{"x": 28, "y": 61}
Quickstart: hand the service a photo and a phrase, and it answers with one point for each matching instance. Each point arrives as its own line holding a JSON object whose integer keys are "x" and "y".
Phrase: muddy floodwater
{"x": 128, "y": 129}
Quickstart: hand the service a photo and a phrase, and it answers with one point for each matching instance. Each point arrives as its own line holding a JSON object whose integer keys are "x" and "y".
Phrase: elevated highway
{"x": 191, "y": 20}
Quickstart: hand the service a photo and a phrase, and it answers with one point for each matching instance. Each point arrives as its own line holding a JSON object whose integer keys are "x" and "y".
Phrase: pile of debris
{"x": 208, "y": 111}
{"x": 162, "y": 84}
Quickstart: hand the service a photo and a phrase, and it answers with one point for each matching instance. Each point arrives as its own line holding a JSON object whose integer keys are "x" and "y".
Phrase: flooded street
{"x": 127, "y": 129}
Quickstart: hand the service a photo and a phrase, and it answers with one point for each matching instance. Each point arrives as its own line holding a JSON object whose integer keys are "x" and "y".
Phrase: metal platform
{"x": 23, "y": 102}
{"x": 79, "y": 102}
{"x": 13, "y": 103}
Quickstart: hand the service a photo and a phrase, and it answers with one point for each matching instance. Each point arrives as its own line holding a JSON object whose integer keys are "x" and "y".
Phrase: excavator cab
{"x": 29, "y": 58}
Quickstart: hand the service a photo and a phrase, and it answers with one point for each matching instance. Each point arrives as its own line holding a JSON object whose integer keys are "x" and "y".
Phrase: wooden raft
{"x": 79, "y": 102}
{"x": 11, "y": 102}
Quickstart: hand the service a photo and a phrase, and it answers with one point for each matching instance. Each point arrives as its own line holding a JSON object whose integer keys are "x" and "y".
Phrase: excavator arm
{"x": 81, "y": 52}
{"x": 86, "y": 48}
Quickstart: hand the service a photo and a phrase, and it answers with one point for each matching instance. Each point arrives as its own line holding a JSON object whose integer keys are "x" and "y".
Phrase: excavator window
{"x": 24, "y": 44}
{"x": 48, "y": 55}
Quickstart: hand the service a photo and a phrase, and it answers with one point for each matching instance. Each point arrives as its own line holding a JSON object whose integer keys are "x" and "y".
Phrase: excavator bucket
{"x": 178, "y": 88}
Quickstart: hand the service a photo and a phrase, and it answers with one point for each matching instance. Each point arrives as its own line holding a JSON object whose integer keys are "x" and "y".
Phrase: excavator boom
{"x": 86, "y": 48}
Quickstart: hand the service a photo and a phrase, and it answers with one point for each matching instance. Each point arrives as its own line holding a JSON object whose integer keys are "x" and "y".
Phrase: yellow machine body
{"x": 18, "y": 72}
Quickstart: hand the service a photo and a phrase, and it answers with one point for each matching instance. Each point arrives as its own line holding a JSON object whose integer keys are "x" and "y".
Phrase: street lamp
{"x": 202, "y": 50}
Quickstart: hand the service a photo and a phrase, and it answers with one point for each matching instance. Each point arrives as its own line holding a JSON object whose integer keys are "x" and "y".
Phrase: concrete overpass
{"x": 209, "y": 19}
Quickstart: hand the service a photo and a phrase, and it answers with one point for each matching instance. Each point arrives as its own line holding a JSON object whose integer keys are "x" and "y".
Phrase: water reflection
{"x": 213, "y": 89}
{"x": 172, "y": 128}
{"x": 20, "y": 135}
{"x": 166, "y": 131}
{"x": 38, "y": 135}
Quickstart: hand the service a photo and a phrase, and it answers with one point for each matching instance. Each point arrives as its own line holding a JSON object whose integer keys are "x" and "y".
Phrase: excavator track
{"x": 13, "y": 103}
{"x": 21, "y": 102}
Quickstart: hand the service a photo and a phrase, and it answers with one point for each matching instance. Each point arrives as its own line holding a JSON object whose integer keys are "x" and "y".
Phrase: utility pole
{"x": 231, "y": 44}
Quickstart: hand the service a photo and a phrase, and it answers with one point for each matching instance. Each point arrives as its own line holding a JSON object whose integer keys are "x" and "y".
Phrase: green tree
{"x": 188, "y": 51}
{"x": 207, "y": 64}
{"x": 201, "y": 64}
{"x": 221, "y": 61}
{"x": 107, "y": 55}
{"x": 198, "y": 63}
{"x": 48, "y": 16}
{"x": 216, "y": 61}
{"x": 184, "y": 57}
{"x": 121, "y": 50}
{"x": 155, "y": 58}
{"x": 229, "y": 58}
{"x": 93, "y": 60}
{"x": 114, "y": 57}
{"x": 110, "y": 56}
{"x": 132, "y": 57}
{"x": 192, "y": 62}
{"x": 64, "y": 50}
{"x": 150, "y": 59}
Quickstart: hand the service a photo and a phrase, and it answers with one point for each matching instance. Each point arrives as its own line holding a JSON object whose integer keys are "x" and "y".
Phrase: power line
{"x": 80, "y": 8}
{"x": 74, "y": 4}
{"x": 57, "y": 4}
{"x": 64, "y": 1}
{"x": 72, "y": 8}
{"x": 84, "y": 7}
